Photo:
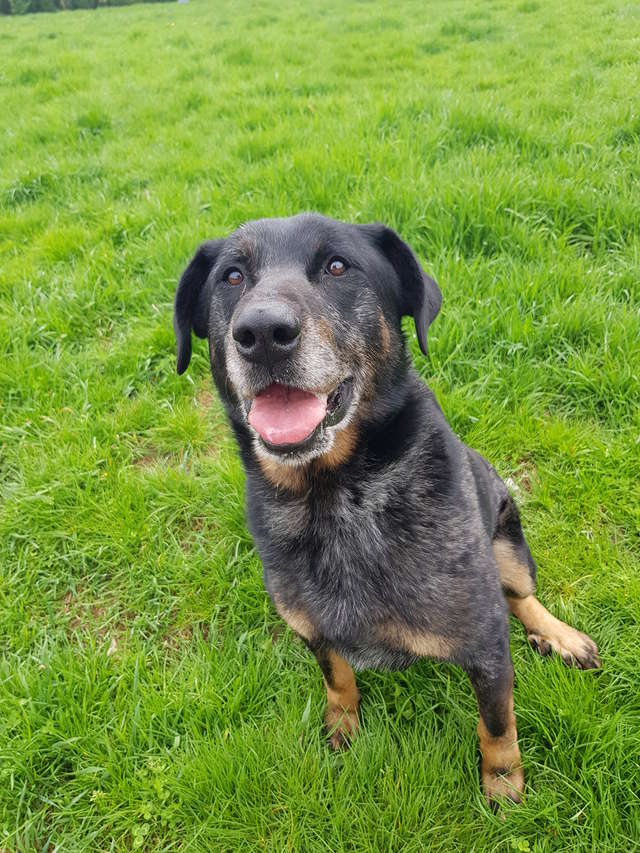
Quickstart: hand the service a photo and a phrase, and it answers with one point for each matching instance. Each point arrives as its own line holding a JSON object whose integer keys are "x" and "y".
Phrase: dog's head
{"x": 303, "y": 321}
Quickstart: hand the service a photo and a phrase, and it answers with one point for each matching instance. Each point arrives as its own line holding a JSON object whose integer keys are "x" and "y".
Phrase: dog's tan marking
{"x": 424, "y": 644}
{"x": 293, "y": 478}
{"x": 343, "y": 446}
{"x": 323, "y": 329}
{"x": 295, "y": 619}
{"x": 502, "y": 774}
{"x": 341, "y": 716}
{"x": 514, "y": 575}
{"x": 385, "y": 335}
{"x": 546, "y": 633}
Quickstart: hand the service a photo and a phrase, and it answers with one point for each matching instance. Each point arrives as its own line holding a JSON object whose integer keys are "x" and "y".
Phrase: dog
{"x": 383, "y": 538}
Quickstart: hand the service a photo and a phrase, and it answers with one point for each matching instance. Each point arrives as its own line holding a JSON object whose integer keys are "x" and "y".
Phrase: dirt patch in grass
{"x": 92, "y": 618}
{"x": 177, "y": 637}
{"x": 204, "y": 398}
{"x": 150, "y": 460}
{"x": 526, "y": 475}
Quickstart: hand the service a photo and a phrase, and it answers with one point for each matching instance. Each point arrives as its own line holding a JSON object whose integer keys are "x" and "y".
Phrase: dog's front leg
{"x": 341, "y": 715}
{"x": 502, "y": 775}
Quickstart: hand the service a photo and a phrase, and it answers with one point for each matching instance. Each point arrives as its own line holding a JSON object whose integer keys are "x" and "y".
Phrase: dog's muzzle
{"x": 290, "y": 419}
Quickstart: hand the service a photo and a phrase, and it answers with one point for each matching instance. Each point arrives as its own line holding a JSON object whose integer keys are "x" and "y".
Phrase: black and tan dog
{"x": 383, "y": 538}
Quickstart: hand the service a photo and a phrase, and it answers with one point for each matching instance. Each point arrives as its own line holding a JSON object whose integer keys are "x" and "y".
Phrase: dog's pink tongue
{"x": 284, "y": 415}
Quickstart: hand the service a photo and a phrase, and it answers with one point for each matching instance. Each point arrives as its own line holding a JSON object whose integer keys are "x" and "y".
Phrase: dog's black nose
{"x": 266, "y": 332}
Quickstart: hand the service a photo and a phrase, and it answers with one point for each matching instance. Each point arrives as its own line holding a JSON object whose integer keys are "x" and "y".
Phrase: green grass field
{"x": 151, "y": 698}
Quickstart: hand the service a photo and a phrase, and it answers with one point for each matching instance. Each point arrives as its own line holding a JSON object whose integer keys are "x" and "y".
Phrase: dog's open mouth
{"x": 288, "y": 419}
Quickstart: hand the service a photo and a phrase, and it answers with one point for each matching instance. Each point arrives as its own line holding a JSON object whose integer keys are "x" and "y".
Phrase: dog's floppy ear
{"x": 419, "y": 296}
{"x": 191, "y": 305}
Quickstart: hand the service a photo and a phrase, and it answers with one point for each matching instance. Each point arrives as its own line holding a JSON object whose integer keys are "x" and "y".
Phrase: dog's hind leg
{"x": 546, "y": 634}
{"x": 517, "y": 570}
{"x": 516, "y": 565}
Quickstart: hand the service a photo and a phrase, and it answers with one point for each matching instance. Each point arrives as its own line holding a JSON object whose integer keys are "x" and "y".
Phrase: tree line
{"x": 24, "y": 7}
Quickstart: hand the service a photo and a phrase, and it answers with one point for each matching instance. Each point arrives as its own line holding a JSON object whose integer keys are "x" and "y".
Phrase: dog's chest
{"x": 346, "y": 558}
{"x": 333, "y": 530}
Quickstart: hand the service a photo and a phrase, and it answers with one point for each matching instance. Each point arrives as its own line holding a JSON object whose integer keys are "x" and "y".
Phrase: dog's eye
{"x": 337, "y": 267}
{"x": 233, "y": 276}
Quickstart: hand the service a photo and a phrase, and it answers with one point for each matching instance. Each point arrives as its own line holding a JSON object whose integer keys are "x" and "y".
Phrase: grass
{"x": 151, "y": 698}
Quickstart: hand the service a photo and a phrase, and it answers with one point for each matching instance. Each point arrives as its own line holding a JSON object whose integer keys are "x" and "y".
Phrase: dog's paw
{"x": 342, "y": 725}
{"x": 575, "y": 649}
{"x": 502, "y": 784}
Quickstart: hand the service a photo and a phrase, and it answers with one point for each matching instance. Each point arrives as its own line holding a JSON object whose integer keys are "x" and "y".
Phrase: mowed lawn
{"x": 150, "y": 698}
